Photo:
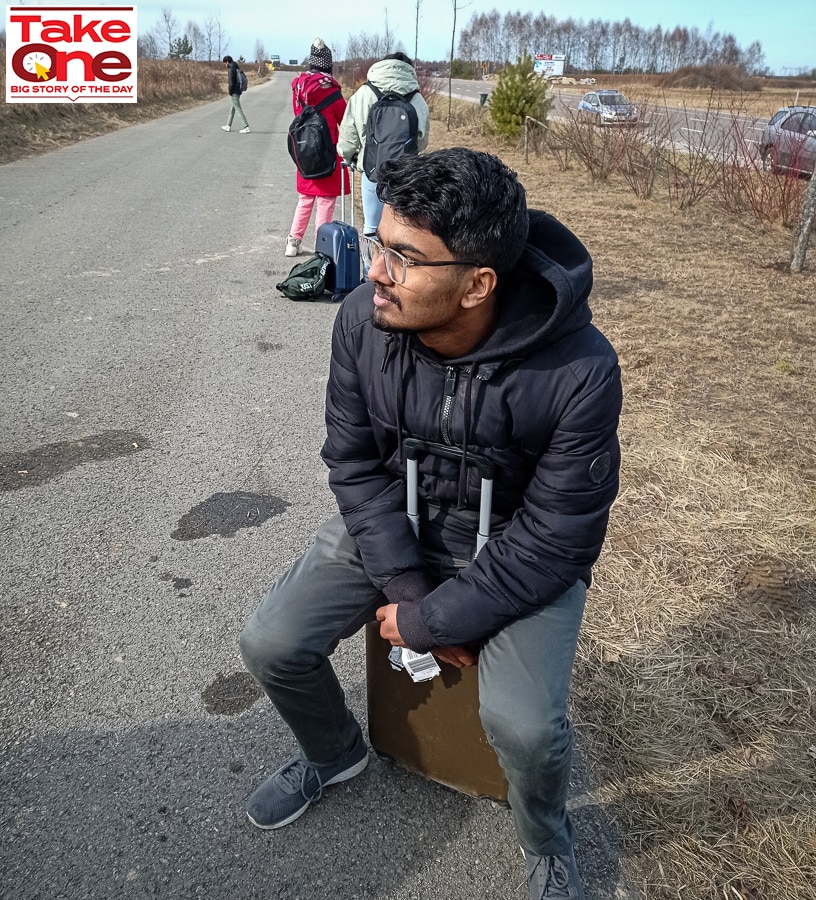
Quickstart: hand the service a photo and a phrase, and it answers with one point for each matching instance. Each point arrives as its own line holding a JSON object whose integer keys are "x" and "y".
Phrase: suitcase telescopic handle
{"x": 351, "y": 169}
{"x": 413, "y": 448}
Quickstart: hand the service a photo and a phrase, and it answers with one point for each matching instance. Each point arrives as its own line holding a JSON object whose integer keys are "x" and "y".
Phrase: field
{"x": 695, "y": 687}
{"x": 763, "y": 102}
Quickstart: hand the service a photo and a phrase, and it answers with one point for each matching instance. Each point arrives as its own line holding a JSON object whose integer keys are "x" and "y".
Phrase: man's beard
{"x": 378, "y": 322}
{"x": 376, "y": 315}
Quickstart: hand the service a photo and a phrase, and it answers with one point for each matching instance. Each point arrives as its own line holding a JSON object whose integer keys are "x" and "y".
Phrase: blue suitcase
{"x": 341, "y": 243}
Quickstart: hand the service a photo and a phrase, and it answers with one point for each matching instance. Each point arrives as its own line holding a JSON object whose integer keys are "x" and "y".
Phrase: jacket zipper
{"x": 447, "y": 404}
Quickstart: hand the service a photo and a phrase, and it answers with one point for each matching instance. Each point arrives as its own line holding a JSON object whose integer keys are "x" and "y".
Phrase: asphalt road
{"x": 719, "y": 133}
{"x": 161, "y": 424}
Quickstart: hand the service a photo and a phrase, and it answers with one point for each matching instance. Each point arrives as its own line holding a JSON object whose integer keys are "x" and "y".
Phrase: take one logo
{"x": 68, "y": 54}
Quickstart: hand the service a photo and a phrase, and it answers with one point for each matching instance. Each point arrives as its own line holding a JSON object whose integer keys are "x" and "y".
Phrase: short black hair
{"x": 228, "y": 59}
{"x": 470, "y": 200}
{"x": 402, "y": 57}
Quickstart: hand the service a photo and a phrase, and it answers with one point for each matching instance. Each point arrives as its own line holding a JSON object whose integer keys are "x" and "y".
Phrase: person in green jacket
{"x": 393, "y": 73}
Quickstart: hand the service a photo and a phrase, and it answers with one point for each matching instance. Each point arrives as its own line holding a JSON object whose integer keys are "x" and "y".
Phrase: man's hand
{"x": 461, "y": 657}
{"x": 387, "y": 617}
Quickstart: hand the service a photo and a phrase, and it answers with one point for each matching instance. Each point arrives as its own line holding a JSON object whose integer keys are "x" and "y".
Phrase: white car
{"x": 789, "y": 141}
{"x": 607, "y": 108}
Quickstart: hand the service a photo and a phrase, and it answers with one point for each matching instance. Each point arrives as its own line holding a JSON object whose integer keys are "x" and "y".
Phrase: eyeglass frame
{"x": 367, "y": 242}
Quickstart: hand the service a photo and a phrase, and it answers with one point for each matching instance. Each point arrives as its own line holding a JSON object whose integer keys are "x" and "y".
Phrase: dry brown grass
{"x": 164, "y": 86}
{"x": 695, "y": 686}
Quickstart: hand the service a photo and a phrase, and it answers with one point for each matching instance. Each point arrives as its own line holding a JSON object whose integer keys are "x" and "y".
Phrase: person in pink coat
{"x": 309, "y": 88}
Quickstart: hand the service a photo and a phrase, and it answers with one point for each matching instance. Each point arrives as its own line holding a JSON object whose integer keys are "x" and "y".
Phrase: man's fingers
{"x": 456, "y": 656}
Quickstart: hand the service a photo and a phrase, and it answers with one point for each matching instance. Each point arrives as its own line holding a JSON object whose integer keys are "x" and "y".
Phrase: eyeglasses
{"x": 396, "y": 265}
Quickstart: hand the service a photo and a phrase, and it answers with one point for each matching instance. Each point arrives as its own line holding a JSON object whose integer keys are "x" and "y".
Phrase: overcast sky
{"x": 785, "y": 28}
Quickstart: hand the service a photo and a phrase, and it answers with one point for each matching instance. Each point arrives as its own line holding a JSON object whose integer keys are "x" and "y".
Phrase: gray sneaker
{"x": 289, "y": 792}
{"x": 553, "y": 876}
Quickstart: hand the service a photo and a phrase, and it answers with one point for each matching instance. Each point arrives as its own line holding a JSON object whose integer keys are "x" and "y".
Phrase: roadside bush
{"x": 164, "y": 85}
{"x": 712, "y": 76}
{"x": 519, "y": 93}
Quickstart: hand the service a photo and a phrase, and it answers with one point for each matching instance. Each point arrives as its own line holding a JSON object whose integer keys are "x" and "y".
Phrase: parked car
{"x": 607, "y": 108}
{"x": 788, "y": 142}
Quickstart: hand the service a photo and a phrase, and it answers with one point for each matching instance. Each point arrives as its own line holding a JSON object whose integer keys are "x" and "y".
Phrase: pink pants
{"x": 303, "y": 212}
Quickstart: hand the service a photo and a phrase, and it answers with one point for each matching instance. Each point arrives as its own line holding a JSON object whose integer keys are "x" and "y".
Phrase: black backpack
{"x": 242, "y": 81}
{"x": 310, "y": 142}
{"x": 392, "y": 130}
{"x": 307, "y": 279}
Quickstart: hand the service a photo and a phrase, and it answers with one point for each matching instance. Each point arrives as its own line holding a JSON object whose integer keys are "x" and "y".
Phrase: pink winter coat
{"x": 311, "y": 88}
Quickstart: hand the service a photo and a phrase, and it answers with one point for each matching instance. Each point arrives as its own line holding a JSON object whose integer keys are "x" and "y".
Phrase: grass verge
{"x": 164, "y": 86}
{"x": 695, "y": 684}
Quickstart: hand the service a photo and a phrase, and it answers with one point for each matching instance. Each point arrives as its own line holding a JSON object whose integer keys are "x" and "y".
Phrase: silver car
{"x": 788, "y": 142}
{"x": 607, "y": 108}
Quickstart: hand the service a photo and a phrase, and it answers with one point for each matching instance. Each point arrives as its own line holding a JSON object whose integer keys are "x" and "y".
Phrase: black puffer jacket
{"x": 233, "y": 79}
{"x": 541, "y": 397}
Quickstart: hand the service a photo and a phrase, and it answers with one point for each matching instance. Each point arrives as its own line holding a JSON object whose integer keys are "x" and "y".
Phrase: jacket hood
{"x": 393, "y": 75}
{"x": 545, "y": 297}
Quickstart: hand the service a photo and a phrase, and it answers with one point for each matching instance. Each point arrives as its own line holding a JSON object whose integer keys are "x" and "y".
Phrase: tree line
{"x": 603, "y": 46}
{"x": 489, "y": 38}
{"x": 168, "y": 40}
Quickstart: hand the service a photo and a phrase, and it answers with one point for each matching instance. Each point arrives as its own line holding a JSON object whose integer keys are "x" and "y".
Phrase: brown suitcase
{"x": 433, "y": 727}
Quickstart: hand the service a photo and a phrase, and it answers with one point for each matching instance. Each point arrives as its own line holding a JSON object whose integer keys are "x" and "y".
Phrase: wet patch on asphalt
{"x": 229, "y": 695}
{"x": 180, "y": 584}
{"x": 225, "y": 513}
{"x": 30, "y": 468}
{"x": 266, "y": 346}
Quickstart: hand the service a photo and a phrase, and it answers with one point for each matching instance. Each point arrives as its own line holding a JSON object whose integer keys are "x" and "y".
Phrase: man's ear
{"x": 481, "y": 286}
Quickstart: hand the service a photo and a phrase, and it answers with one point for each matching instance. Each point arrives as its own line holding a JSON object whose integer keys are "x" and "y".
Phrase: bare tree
{"x": 196, "y": 38}
{"x": 168, "y": 28}
{"x": 802, "y": 236}
{"x": 450, "y": 64}
{"x": 389, "y": 38}
{"x": 260, "y": 55}
{"x": 147, "y": 45}
{"x": 215, "y": 37}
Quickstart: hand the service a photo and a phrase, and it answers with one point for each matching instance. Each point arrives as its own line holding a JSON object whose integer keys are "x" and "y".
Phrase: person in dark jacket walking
{"x": 473, "y": 331}
{"x": 234, "y": 87}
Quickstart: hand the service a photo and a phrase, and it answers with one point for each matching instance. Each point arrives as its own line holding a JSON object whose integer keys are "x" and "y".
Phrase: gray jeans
{"x": 235, "y": 100}
{"x": 524, "y": 675}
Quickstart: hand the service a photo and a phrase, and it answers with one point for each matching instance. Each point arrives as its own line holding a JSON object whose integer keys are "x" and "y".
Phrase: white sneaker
{"x": 225, "y": 128}
{"x": 292, "y": 246}
{"x": 244, "y": 130}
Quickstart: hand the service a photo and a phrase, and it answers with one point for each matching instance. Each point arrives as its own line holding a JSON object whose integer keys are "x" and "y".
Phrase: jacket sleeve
{"x": 350, "y": 140}
{"x": 552, "y": 540}
{"x": 424, "y": 117}
{"x": 371, "y": 500}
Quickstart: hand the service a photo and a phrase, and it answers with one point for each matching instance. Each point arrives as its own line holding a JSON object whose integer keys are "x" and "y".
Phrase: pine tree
{"x": 518, "y": 93}
{"x": 180, "y": 48}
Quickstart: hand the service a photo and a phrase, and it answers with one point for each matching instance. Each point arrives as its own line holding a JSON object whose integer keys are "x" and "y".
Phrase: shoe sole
{"x": 345, "y": 775}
